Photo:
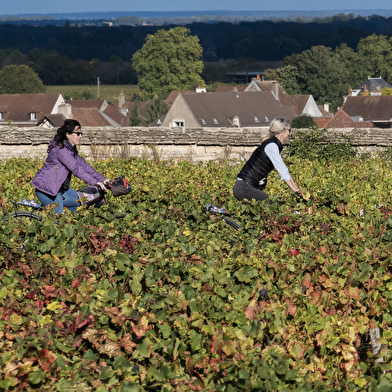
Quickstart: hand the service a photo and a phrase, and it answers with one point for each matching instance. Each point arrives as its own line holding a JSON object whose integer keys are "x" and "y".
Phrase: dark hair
{"x": 67, "y": 127}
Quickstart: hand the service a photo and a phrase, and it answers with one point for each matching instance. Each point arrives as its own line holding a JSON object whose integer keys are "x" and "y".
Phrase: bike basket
{"x": 89, "y": 193}
{"x": 120, "y": 186}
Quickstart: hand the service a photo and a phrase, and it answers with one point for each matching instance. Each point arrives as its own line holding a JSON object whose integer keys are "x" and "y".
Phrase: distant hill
{"x": 184, "y": 14}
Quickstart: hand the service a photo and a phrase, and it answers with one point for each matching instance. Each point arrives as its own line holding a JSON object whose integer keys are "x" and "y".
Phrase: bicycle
{"x": 224, "y": 215}
{"x": 90, "y": 196}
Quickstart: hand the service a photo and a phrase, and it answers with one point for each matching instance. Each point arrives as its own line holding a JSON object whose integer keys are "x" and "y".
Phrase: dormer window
{"x": 236, "y": 121}
{"x": 1, "y": 116}
{"x": 178, "y": 123}
{"x": 256, "y": 120}
{"x": 33, "y": 116}
{"x": 266, "y": 119}
{"x": 215, "y": 121}
{"x": 203, "y": 121}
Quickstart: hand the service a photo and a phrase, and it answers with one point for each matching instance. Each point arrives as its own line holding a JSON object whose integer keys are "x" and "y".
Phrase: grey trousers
{"x": 242, "y": 190}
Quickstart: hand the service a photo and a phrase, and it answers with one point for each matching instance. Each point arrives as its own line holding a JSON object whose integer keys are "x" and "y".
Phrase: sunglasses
{"x": 78, "y": 133}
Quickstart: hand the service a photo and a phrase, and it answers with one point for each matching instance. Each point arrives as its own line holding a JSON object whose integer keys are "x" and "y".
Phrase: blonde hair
{"x": 278, "y": 124}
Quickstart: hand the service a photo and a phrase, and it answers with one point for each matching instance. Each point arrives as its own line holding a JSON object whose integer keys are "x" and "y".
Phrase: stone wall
{"x": 196, "y": 144}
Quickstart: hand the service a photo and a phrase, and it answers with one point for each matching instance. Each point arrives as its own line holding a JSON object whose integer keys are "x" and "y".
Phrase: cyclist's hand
{"x": 101, "y": 185}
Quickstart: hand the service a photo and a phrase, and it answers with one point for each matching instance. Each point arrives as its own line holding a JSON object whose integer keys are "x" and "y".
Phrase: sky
{"x": 16, "y": 7}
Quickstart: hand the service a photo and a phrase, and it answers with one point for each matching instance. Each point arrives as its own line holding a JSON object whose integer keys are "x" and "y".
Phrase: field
{"x": 108, "y": 92}
{"x": 171, "y": 298}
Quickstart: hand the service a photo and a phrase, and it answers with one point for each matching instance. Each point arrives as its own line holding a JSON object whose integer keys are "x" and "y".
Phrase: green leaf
{"x": 90, "y": 355}
{"x": 37, "y": 377}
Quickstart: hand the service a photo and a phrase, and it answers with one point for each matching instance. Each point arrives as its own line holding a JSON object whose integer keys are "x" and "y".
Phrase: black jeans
{"x": 242, "y": 190}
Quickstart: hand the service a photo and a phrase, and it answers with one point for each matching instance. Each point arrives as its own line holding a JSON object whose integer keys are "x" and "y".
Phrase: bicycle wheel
{"x": 232, "y": 223}
{"x": 20, "y": 221}
{"x": 25, "y": 214}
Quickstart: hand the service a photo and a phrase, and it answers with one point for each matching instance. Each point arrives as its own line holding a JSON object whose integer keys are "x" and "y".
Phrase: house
{"x": 372, "y": 86}
{"x": 90, "y": 112}
{"x": 340, "y": 120}
{"x": 50, "y": 111}
{"x": 376, "y": 109}
{"x": 26, "y": 110}
{"x": 302, "y": 104}
{"x": 225, "y": 110}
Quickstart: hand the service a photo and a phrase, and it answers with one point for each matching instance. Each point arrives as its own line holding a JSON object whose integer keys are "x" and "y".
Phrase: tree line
{"x": 262, "y": 40}
{"x": 175, "y": 59}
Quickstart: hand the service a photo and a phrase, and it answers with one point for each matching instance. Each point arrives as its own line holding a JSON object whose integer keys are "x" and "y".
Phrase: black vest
{"x": 259, "y": 165}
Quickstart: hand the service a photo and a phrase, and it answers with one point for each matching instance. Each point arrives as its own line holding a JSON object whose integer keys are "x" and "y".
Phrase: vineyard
{"x": 171, "y": 298}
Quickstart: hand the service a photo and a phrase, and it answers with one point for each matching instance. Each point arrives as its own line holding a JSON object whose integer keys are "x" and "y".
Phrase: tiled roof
{"x": 19, "y": 106}
{"x": 91, "y": 117}
{"x": 85, "y": 103}
{"x": 268, "y": 85}
{"x": 114, "y": 113}
{"x": 370, "y": 108}
{"x": 321, "y": 122}
{"x": 300, "y": 101}
{"x": 56, "y": 120}
{"x": 324, "y": 112}
{"x": 226, "y": 89}
{"x": 341, "y": 120}
{"x": 256, "y": 108}
{"x": 373, "y": 84}
{"x": 173, "y": 95}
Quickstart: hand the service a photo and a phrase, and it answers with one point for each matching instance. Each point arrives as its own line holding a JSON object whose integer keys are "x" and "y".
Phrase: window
{"x": 178, "y": 123}
{"x": 33, "y": 116}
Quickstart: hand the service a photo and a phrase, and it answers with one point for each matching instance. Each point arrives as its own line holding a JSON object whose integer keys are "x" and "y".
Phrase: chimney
{"x": 121, "y": 99}
{"x": 275, "y": 89}
{"x": 350, "y": 91}
{"x": 258, "y": 77}
{"x": 65, "y": 109}
{"x": 201, "y": 89}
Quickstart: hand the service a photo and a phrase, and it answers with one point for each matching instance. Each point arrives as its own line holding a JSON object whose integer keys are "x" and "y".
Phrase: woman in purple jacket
{"x": 53, "y": 179}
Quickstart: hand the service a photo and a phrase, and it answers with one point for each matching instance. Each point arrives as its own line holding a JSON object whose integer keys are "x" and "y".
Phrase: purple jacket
{"x": 59, "y": 162}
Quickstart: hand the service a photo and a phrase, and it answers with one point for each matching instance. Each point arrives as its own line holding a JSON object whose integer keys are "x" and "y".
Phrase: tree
{"x": 134, "y": 119}
{"x": 169, "y": 60}
{"x": 320, "y": 73}
{"x": 287, "y": 77}
{"x": 303, "y": 121}
{"x": 375, "y": 52}
{"x": 20, "y": 79}
{"x": 157, "y": 109}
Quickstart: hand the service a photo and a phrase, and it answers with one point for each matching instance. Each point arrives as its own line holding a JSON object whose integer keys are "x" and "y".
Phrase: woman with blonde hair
{"x": 252, "y": 179}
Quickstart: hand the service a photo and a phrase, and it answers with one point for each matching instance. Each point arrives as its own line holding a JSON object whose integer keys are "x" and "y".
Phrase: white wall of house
{"x": 311, "y": 108}
{"x": 179, "y": 113}
{"x": 60, "y": 101}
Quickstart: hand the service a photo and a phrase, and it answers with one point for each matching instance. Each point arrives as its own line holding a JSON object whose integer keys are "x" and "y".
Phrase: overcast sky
{"x": 14, "y": 7}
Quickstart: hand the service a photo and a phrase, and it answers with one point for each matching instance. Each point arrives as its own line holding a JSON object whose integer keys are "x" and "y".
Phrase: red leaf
{"x": 76, "y": 283}
{"x": 31, "y": 294}
{"x": 38, "y": 304}
{"x": 291, "y": 307}
{"x": 49, "y": 292}
{"x": 294, "y": 252}
{"x": 45, "y": 359}
{"x": 141, "y": 328}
